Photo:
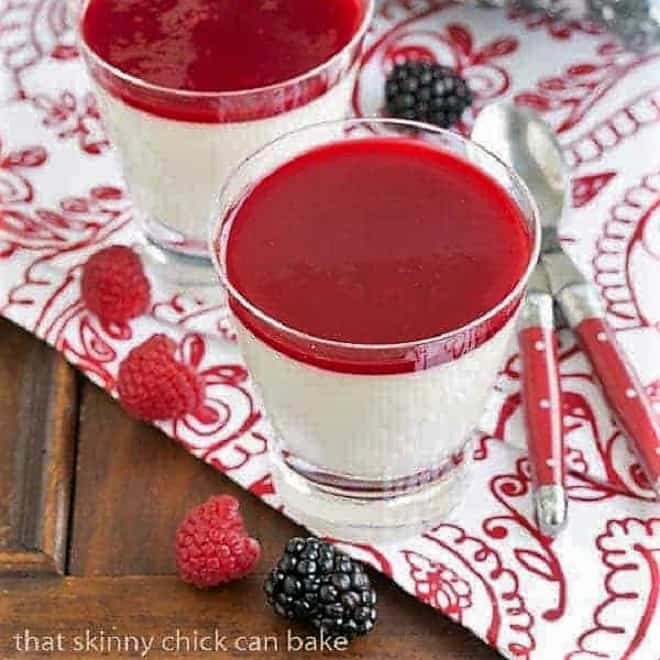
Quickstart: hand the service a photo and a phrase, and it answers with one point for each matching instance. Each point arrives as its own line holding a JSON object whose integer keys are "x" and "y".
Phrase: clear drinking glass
{"x": 72, "y": 7}
{"x": 177, "y": 147}
{"x": 362, "y": 455}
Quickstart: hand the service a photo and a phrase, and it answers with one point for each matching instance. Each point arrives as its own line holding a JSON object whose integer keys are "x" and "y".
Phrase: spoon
{"x": 521, "y": 138}
{"x": 523, "y": 141}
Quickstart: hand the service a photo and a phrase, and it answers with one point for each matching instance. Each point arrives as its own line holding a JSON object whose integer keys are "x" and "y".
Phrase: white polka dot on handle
{"x": 601, "y": 336}
{"x": 544, "y": 403}
{"x": 551, "y": 463}
{"x": 630, "y": 393}
{"x": 539, "y": 346}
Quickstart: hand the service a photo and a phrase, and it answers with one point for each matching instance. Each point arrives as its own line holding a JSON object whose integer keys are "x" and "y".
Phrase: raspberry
{"x": 211, "y": 545}
{"x": 114, "y": 286}
{"x": 152, "y": 385}
{"x": 220, "y": 511}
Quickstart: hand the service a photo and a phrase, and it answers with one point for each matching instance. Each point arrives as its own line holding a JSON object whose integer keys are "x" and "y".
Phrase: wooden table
{"x": 89, "y": 501}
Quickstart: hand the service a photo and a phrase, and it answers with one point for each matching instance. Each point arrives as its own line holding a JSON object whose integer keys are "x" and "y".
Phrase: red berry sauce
{"x": 376, "y": 241}
{"x": 213, "y": 46}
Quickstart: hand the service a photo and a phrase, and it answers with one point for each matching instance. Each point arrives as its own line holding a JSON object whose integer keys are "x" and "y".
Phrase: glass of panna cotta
{"x": 189, "y": 88}
{"x": 374, "y": 270}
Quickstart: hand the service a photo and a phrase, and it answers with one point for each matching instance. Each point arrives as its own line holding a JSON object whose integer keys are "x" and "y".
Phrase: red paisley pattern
{"x": 438, "y": 585}
{"x": 592, "y": 593}
{"x": 630, "y": 549}
{"x": 630, "y": 239}
{"x": 15, "y": 186}
{"x": 76, "y": 118}
{"x": 558, "y": 27}
{"x": 568, "y": 98}
{"x": 453, "y": 45}
{"x": 586, "y": 188}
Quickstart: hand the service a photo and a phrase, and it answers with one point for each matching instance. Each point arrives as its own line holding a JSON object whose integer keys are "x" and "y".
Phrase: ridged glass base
{"x": 175, "y": 267}
{"x": 364, "y": 512}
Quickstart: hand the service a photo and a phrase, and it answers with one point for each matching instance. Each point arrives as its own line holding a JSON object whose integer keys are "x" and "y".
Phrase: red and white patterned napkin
{"x": 594, "y": 592}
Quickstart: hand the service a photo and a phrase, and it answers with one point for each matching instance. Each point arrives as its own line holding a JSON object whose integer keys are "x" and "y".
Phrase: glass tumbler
{"x": 177, "y": 147}
{"x": 379, "y": 447}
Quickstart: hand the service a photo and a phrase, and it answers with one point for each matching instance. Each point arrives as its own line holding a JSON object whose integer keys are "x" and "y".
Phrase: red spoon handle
{"x": 625, "y": 393}
{"x": 542, "y": 404}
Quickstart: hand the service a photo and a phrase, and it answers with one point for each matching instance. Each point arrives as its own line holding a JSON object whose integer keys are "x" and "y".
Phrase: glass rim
{"x": 221, "y": 228}
{"x": 230, "y": 94}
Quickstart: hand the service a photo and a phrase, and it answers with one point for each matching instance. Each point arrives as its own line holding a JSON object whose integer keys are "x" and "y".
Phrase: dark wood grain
{"x": 132, "y": 487}
{"x": 37, "y": 440}
{"x": 158, "y": 606}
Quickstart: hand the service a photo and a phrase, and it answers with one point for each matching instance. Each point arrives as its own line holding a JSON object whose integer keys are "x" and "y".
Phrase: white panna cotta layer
{"x": 175, "y": 169}
{"x": 374, "y": 427}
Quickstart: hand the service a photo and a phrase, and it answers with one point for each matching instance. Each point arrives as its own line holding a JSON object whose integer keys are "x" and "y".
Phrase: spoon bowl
{"x": 520, "y": 138}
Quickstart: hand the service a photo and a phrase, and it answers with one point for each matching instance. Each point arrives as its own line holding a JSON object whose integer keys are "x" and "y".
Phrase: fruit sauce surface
{"x": 376, "y": 241}
{"x": 219, "y": 45}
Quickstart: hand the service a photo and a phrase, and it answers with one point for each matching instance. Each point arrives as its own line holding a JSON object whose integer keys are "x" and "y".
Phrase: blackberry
{"x": 428, "y": 92}
{"x": 315, "y": 583}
